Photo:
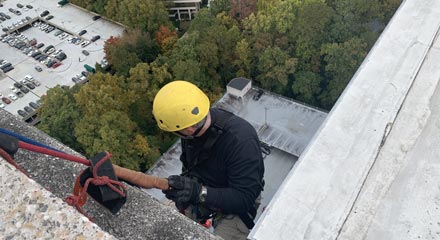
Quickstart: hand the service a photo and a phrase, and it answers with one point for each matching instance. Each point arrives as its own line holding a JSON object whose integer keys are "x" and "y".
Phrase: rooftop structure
{"x": 184, "y": 9}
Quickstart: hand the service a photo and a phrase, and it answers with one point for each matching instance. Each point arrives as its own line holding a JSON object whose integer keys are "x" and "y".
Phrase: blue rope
{"x": 27, "y": 140}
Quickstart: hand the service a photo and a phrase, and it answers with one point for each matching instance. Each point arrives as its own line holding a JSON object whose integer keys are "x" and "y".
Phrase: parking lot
{"x": 60, "y": 59}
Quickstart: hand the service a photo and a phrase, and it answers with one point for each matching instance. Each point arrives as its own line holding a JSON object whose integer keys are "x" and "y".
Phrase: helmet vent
{"x": 177, "y": 126}
{"x": 195, "y": 111}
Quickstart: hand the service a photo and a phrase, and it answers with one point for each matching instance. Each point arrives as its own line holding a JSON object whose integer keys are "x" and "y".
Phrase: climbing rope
{"x": 10, "y": 143}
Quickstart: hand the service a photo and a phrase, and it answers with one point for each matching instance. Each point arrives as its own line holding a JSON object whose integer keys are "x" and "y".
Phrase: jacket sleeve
{"x": 244, "y": 171}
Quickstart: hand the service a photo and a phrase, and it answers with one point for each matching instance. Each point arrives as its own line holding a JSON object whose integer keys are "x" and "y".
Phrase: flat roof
{"x": 239, "y": 83}
{"x": 372, "y": 170}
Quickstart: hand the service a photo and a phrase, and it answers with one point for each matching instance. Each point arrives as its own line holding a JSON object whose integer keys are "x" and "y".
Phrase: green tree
{"x": 127, "y": 51}
{"x": 306, "y": 87}
{"x": 342, "y": 61}
{"x": 59, "y": 115}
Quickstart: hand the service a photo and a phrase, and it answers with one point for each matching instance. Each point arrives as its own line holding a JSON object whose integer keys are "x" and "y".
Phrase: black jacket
{"x": 232, "y": 170}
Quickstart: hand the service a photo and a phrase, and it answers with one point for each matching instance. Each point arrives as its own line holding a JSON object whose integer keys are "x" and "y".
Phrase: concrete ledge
{"x": 142, "y": 217}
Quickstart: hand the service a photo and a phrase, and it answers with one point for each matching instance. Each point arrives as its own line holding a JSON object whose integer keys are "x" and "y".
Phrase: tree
{"x": 341, "y": 62}
{"x": 275, "y": 66}
{"x": 59, "y": 115}
{"x": 127, "y": 51}
{"x": 306, "y": 87}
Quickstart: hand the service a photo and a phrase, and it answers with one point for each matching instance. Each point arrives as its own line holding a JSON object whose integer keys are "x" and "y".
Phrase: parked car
{"x": 24, "y": 89}
{"x": 36, "y": 83}
{"x": 30, "y": 85}
{"x": 17, "y": 85}
{"x": 38, "y": 68}
{"x": 40, "y": 45}
{"x": 45, "y": 13}
{"x": 34, "y": 105}
{"x": 95, "y": 38}
{"x": 85, "y": 52}
{"x": 10, "y": 68}
{"x": 19, "y": 94}
{"x": 19, "y": 5}
{"x": 12, "y": 96}
{"x": 22, "y": 113}
{"x": 82, "y": 32}
{"x": 28, "y": 109}
{"x": 29, "y": 6}
{"x": 6, "y": 100}
{"x": 57, "y": 64}
{"x": 2, "y": 105}
{"x": 96, "y": 17}
{"x": 49, "y": 17}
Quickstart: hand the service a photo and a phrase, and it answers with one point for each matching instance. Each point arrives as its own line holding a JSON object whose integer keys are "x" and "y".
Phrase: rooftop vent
{"x": 238, "y": 87}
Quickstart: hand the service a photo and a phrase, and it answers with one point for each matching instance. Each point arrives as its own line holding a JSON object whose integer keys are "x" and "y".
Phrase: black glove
{"x": 183, "y": 190}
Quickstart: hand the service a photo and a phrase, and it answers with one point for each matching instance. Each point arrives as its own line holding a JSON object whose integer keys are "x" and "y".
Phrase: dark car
{"x": 85, "y": 52}
{"x": 45, "y": 13}
{"x": 82, "y": 32}
{"x": 29, "y": 6}
{"x": 50, "y": 63}
{"x": 11, "y": 10}
{"x": 28, "y": 109}
{"x": 95, "y": 38}
{"x": 25, "y": 90}
{"x": 47, "y": 48}
{"x": 6, "y": 100}
{"x": 85, "y": 73}
{"x": 5, "y": 66}
{"x": 19, "y": 94}
{"x": 30, "y": 85}
{"x": 17, "y": 12}
{"x": 22, "y": 113}
{"x": 8, "y": 69}
{"x": 19, "y": 5}
{"x": 38, "y": 68}
{"x": 96, "y": 17}
{"x": 40, "y": 45}
{"x": 49, "y": 17}
{"x": 17, "y": 85}
{"x": 61, "y": 56}
{"x": 5, "y": 29}
{"x": 34, "y": 105}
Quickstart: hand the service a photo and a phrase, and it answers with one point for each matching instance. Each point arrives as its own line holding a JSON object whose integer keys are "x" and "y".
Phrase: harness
{"x": 193, "y": 160}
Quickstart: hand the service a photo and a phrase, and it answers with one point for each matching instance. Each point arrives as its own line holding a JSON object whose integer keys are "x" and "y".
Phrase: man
{"x": 222, "y": 174}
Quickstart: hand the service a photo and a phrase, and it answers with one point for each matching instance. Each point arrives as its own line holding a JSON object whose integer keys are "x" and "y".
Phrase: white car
{"x": 13, "y": 97}
{"x": 29, "y": 77}
{"x": 2, "y": 105}
{"x": 14, "y": 89}
{"x": 37, "y": 83}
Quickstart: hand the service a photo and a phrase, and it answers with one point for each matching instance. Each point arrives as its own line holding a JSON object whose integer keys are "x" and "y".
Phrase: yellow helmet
{"x": 179, "y": 105}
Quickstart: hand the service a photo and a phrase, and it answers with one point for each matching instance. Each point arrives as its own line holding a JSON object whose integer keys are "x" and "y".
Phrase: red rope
{"x": 46, "y": 151}
{"x": 80, "y": 194}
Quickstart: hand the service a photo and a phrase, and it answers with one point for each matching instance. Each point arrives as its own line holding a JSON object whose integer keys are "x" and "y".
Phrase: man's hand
{"x": 183, "y": 190}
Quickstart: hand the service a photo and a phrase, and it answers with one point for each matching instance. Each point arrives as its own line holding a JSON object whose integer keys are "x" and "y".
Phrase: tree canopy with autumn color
{"x": 307, "y": 50}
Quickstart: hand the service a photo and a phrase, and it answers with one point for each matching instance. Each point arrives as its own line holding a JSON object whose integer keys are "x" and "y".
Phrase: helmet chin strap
{"x": 196, "y": 132}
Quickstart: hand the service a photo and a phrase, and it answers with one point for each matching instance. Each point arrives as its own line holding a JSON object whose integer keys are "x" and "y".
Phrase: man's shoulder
{"x": 234, "y": 124}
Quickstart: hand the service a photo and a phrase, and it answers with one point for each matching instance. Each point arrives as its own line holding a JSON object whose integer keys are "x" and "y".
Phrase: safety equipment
{"x": 183, "y": 190}
{"x": 179, "y": 105}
